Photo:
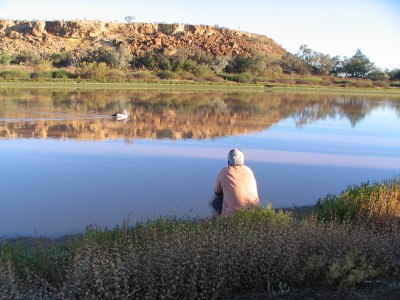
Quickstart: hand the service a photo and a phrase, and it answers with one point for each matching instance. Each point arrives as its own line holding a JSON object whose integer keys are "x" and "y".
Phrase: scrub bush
{"x": 14, "y": 75}
{"x": 167, "y": 75}
{"x": 258, "y": 249}
{"x": 62, "y": 74}
{"x": 42, "y": 76}
{"x": 377, "y": 203}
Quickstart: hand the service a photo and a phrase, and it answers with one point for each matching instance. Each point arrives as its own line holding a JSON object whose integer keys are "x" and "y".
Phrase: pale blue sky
{"x": 337, "y": 27}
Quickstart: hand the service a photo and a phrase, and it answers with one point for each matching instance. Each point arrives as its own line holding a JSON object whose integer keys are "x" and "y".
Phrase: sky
{"x": 338, "y": 27}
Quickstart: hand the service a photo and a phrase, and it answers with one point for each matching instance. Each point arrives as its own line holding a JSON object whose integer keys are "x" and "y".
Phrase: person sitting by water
{"x": 235, "y": 187}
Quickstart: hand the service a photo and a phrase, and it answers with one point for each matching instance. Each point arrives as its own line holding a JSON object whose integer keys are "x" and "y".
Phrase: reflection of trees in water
{"x": 169, "y": 113}
{"x": 352, "y": 108}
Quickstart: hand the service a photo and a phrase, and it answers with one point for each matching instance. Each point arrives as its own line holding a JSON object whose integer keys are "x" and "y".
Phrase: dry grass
{"x": 256, "y": 250}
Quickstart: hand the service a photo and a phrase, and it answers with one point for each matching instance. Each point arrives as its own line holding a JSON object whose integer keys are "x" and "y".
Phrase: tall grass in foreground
{"x": 376, "y": 204}
{"x": 257, "y": 249}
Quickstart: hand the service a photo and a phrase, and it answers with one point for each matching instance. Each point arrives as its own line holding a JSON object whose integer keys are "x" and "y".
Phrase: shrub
{"x": 93, "y": 70}
{"x": 141, "y": 75}
{"x": 376, "y": 204}
{"x": 203, "y": 71}
{"x": 395, "y": 84}
{"x": 167, "y": 29}
{"x": 14, "y": 75}
{"x": 42, "y": 76}
{"x": 167, "y": 75}
{"x": 380, "y": 83}
{"x": 219, "y": 64}
{"x": 26, "y": 58}
{"x": 5, "y": 58}
{"x": 63, "y": 74}
{"x": 244, "y": 77}
{"x": 363, "y": 83}
{"x": 343, "y": 82}
{"x": 212, "y": 258}
{"x": 309, "y": 80}
{"x": 115, "y": 75}
{"x": 256, "y": 215}
{"x": 187, "y": 76}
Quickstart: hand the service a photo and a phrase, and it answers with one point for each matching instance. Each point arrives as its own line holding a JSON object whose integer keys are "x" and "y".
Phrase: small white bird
{"x": 121, "y": 116}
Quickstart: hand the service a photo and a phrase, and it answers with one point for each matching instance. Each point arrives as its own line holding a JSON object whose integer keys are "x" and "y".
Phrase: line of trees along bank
{"x": 94, "y": 64}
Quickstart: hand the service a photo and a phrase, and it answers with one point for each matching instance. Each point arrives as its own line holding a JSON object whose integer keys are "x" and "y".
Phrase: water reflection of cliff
{"x": 85, "y": 114}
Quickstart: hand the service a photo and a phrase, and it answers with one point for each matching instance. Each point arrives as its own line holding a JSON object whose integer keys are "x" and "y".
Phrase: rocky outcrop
{"x": 48, "y": 37}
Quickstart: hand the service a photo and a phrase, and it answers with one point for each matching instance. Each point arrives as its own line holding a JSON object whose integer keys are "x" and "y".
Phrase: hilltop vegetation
{"x": 127, "y": 52}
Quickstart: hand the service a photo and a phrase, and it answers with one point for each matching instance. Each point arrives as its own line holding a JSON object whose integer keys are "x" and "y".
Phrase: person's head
{"x": 235, "y": 157}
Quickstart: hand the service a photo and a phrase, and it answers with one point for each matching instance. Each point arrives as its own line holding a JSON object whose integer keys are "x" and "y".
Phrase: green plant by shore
{"x": 25, "y": 75}
{"x": 346, "y": 241}
{"x": 116, "y": 64}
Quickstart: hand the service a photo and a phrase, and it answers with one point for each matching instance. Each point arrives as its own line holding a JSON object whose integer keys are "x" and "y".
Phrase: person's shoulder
{"x": 247, "y": 169}
{"x": 223, "y": 170}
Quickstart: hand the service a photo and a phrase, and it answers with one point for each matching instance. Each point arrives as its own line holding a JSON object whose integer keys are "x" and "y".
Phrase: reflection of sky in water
{"x": 56, "y": 186}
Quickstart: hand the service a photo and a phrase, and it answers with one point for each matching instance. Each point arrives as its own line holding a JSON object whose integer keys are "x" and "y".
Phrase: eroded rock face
{"x": 48, "y": 37}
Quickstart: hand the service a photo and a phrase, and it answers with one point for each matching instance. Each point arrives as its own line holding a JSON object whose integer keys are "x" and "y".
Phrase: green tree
{"x": 219, "y": 64}
{"x": 119, "y": 59}
{"x": 394, "y": 74}
{"x": 258, "y": 64}
{"x": 152, "y": 60}
{"x": 316, "y": 62}
{"x": 337, "y": 65}
{"x": 290, "y": 63}
{"x": 358, "y": 65}
{"x": 180, "y": 60}
{"x": 378, "y": 75}
{"x": 27, "y": 57}
{"x": 64, "y": 59}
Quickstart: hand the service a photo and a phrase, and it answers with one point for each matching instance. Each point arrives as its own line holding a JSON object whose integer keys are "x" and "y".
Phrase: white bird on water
{"x": 121, "y": 116}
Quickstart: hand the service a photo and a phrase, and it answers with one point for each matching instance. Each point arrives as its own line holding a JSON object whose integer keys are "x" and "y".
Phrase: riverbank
{"x": 203, "y": 86}
{"x": 348, "y": 246}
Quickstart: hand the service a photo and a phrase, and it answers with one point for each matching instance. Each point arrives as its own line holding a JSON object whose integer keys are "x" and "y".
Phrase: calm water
{"x": 66, "y": 164}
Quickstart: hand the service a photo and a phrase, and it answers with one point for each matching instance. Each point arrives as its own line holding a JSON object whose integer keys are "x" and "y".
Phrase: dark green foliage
{"x": 377, "y": 75}
{"x": 62, "y": 74}
{"x": 290, "y": 64}
{"x": 395, "y": 84}
{"x": 152, "y": 61}
{"x": 357, "y": 66}
{"x": 60, "y": 60}
{"x": 394, "y": 74}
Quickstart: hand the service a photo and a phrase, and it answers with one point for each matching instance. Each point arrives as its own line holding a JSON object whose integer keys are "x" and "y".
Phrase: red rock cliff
{"x": 48, "y": 37}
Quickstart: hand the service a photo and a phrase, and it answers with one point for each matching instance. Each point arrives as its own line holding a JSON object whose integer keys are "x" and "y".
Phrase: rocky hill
{"x": 48, "y": 37}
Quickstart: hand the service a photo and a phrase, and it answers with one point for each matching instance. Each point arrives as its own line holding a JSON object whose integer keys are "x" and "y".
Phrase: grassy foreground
{"x": 346, "y": 241}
